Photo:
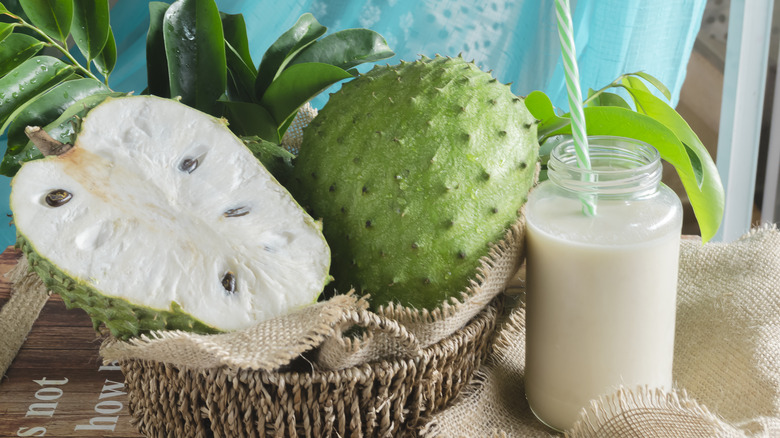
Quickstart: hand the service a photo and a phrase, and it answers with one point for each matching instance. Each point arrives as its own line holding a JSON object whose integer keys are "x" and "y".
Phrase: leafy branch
{"x": 194, "y": 52}
{"x": 49, "y": 42}
{"x": 653, "y": 121}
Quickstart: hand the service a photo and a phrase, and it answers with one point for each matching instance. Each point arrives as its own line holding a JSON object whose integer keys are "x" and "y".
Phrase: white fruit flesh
{"x": 140, "y": 226}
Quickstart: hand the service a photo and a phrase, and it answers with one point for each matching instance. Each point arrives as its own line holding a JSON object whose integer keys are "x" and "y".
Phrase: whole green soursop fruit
{"x": 415, "y": 170}
{"x": 160, "y": 218}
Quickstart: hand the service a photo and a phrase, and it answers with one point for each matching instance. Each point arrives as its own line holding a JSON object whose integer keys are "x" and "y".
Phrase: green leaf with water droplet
{"x": 53, "y": 17}
{"x": 106, "y": 59}
{"x": 26, "y": 81}
{"x": 90, "y": 26}
{"x": 16, "y": 49}
{"x": 195, "y": 49}
{"x": 47, "y": 106}
{"x": 63, "y": 129}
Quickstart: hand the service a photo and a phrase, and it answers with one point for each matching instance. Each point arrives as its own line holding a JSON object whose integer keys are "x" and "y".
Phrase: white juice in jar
{"x": 601, "y": 298}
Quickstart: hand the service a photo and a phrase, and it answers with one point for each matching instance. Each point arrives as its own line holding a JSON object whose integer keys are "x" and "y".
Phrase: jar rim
{"x": 619, "y": 166}
{"x": 565, "y": 149}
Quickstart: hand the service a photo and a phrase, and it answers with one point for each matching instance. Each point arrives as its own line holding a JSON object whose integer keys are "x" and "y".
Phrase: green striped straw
{"x": 579, "y": 133}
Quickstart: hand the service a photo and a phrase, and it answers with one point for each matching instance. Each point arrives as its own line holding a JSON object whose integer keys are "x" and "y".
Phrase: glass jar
{"x": 601, "y": 289}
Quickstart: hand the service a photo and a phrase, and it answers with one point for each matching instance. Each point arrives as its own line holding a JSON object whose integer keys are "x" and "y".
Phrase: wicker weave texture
{"x": 380, "y": 399}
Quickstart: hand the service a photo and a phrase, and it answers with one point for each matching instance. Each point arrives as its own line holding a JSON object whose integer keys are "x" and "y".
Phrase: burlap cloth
{"x": 726, "y": 370}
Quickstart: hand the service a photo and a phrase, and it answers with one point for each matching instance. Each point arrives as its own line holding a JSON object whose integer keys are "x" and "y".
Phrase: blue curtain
{"x": 515, "y": 39}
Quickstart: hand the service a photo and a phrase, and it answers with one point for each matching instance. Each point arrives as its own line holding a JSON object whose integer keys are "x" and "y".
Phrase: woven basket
{"x": 384, "y": 398}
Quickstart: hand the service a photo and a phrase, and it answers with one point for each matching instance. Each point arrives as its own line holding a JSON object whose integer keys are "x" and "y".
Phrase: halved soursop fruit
{"x": 160, "y": 218}
{"x": 416, "y": 169}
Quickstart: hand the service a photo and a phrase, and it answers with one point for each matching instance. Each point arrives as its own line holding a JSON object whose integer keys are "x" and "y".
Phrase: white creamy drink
{"x": 601, "y": 295}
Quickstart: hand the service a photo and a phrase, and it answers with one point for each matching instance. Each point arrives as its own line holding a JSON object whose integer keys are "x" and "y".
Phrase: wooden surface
{"x": 58, "y": 386}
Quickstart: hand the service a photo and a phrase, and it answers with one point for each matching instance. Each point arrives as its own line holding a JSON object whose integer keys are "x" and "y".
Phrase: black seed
{"x": 368, "y": 224}
{"x": 426, "y": 281}
{"x": 58, "y": 198}
{"x": 523, "y": 165}
{"x": 528, "y": 125}
{"x": 365, "y": 189}
{"x": 461, "y": 255}
{"x": 229, "y": 282}
{"x": 188, "y": 165}
{"x": 414, "y": 245}
{"x": 237, "y": 212}
{"x": 502, "y": 133}
{"x": 332, "y": 188}
{"x": 494, "y": 210}
{"x": 381, "y": 253}
{"x": 343, "y": 210}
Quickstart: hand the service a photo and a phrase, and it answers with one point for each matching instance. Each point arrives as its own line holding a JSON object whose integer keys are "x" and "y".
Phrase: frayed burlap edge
{"x": 268, "y": 345}
{"x": 657, "y": 412}
{"x": 18, "y": 315}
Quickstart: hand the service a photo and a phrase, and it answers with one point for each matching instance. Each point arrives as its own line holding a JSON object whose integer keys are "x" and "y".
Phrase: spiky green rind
{"x": 415, "y": 170}
{"x": 122, "y": 318}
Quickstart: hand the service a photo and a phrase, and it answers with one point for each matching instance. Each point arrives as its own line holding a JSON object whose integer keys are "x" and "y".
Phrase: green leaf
{"x": 708, "y": 180}
{"x": 195, "y": 48}
{"x": 241, "y": 68}
{"x": 304, "y": 32}
{"x": 64, "y": 129}
{"x": 655, "y": 82}
{"x": 241, "y": 83}
{"x": 26, "y": 81}
{"x": 346, "y": 49}
{"x": 3, "y": 9}
{"x": 234, "y": 28}
{"x": 53, "y": 17}
{"x": 543, "y": 110}
{"x": 156, "y": 61}
{"x": 297, "y": 85}
{"x": 106, "y": 59}
{"x": 16, "y": 49}
{"x": 47, "y": 106}
{"x": 609, "y": 99}
{"x": 5, "y": 30}
{"x": 90, "y": 26}
{"x": 250, "y": 119}
{"x": 274, "y": 158}
{"x": 286, "y": 124}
